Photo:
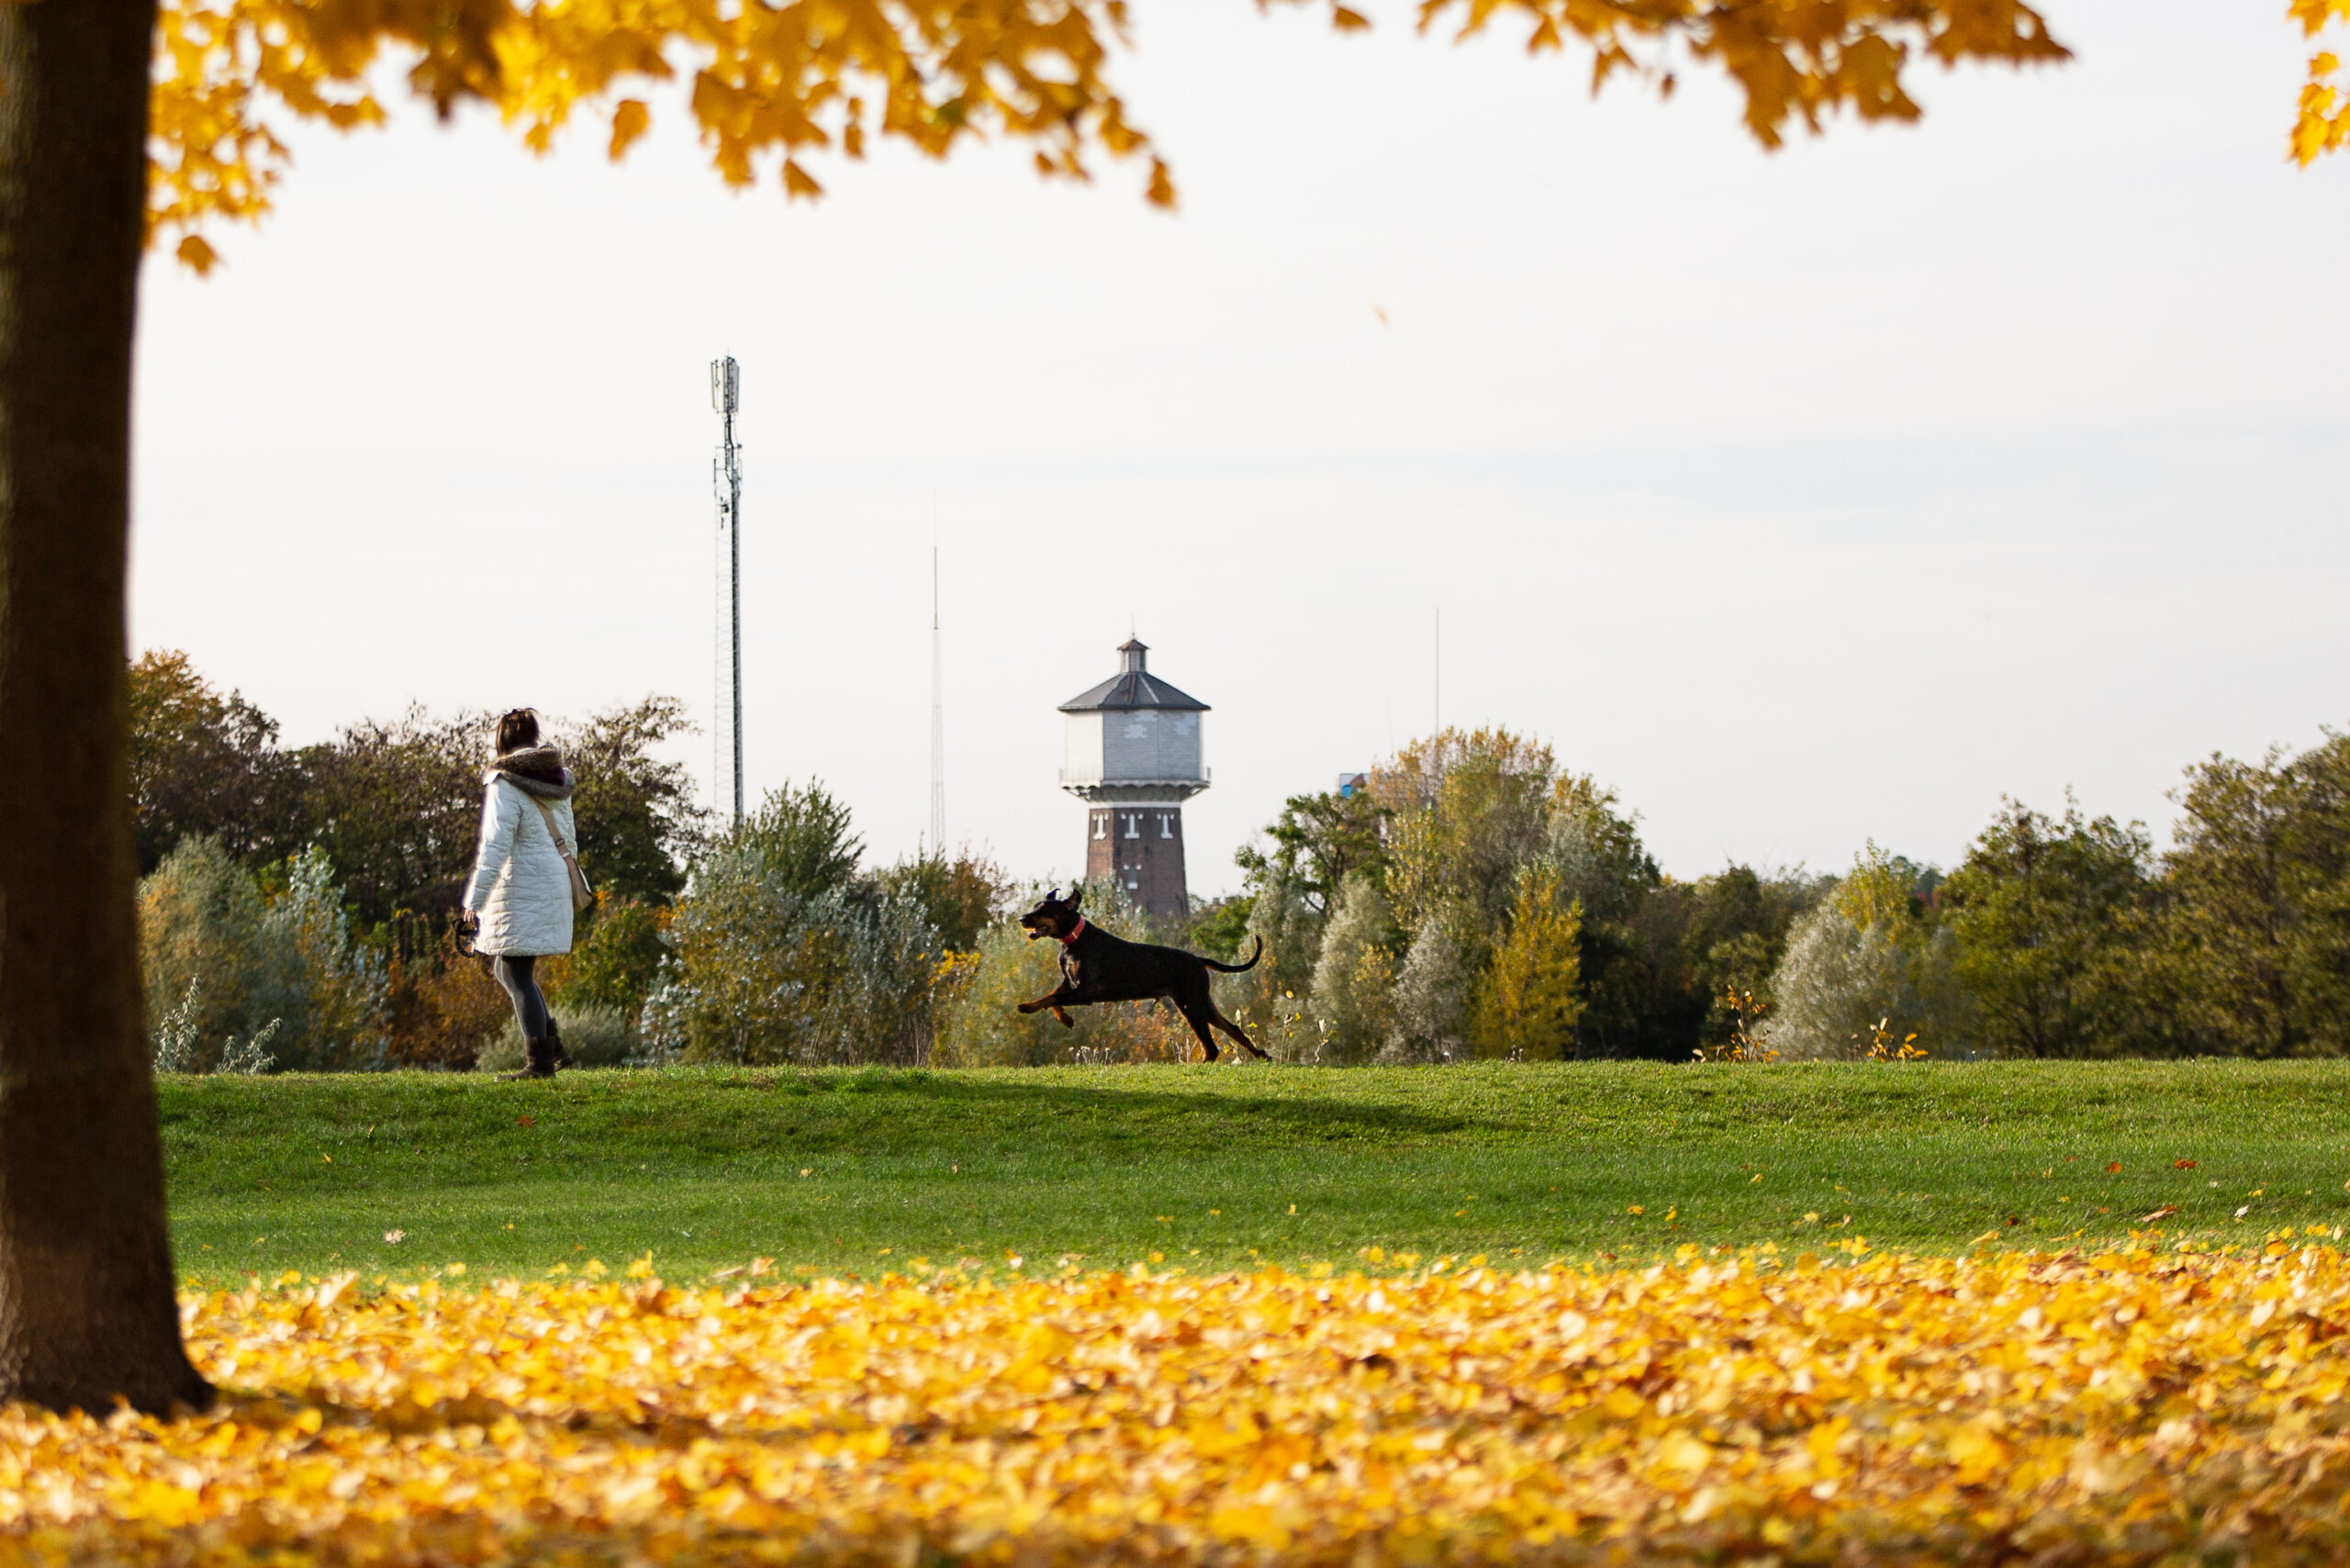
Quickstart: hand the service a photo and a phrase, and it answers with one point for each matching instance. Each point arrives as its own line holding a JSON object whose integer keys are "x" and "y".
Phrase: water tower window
{"x": 1101, "y": 824}
{"x": 1165, "y": 831}
{"x": 1134, "y": 824}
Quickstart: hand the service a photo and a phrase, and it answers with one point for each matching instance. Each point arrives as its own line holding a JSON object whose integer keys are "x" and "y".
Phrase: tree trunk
{"x": 86, "y": 1308}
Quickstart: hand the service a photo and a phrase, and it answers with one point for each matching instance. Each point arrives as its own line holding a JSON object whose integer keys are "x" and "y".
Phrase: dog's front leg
{"x": 1062, "y": 1013}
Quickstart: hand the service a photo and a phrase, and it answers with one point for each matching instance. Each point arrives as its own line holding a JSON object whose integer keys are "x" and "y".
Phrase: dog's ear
{"x": 1054, "y": 896}
{"x": 1076, "y": 895}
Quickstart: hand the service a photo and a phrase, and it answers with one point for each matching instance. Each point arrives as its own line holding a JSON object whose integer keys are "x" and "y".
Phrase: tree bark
{"x": 87, "y": 1314}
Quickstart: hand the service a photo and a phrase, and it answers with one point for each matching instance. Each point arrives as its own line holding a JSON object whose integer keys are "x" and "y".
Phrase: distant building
{"x": 1352, "y": 784}
{"x": 1132, "y": 755}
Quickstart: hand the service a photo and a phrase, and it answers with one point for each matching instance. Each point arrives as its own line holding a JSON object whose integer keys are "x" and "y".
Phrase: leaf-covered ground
{"x": 1220, "y": 1168}
{"x": 2134, "y": 1406}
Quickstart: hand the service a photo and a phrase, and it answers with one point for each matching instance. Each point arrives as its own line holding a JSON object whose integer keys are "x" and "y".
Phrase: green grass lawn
{"x": 1216, "y": 1167}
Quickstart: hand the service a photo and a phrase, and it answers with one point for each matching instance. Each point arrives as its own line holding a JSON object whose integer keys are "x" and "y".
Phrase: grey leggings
{"x": 513, "y": 972}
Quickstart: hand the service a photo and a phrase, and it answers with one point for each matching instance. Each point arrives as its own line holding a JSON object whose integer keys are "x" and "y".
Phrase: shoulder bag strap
{"x": 546, "y": 815}
{"x": 582, "y": 895}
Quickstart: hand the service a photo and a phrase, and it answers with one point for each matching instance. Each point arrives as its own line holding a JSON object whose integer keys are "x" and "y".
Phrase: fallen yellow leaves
{"x": 2125, "y": 1407}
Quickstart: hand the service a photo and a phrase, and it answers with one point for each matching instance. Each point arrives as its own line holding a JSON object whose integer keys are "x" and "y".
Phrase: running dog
{"x": 1098, "y": 966}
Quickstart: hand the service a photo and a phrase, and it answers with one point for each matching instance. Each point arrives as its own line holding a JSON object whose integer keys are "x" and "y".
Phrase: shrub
{"x": 1530, "y": 995}
{"x": 960, "y": 895}
{"x": 1351, "y": 1008}
{"x": 177, "y": 1043}
{"x": 223, "y": 963}
{"x": 1868, "y": 956}
{"x": 617, "y": 958}
{"x": 1430, "y": 998}
{"x": 446, "y": 1008}
{"x": 596, "y": 1037}
{"x": 763, "y": 969}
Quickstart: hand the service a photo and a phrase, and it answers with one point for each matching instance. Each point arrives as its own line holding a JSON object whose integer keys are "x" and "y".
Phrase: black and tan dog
{"x": 1098, "y": 966}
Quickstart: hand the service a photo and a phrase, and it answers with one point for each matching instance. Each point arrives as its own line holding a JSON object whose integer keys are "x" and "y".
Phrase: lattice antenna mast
{"x": 726, "y": 396}
{"x": 937, "y": 707}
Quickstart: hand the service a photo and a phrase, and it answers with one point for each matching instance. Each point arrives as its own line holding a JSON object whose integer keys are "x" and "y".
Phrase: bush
{"x": 446, "y": 1008}
{"x": 1354, "y": 975}
{"x": 224, "y": 963}
{"x": 1429, "y": 1003}
{"x": 596, "y": 1037}
{"x": 618, "y": 961}
{"x": 1869, "y": 956}
{"x": 779, "y": 952}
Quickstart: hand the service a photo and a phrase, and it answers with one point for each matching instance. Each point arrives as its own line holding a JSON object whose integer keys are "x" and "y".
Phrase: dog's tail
{"x": 1237, "y": 968}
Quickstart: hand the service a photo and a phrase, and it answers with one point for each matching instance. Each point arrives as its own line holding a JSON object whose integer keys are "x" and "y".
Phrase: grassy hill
{"x": 1211, "y": 1167}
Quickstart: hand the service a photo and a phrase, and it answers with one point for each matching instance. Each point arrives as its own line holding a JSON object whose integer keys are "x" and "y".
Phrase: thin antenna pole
{"x": 725, "y": 395}
{"x": 1436, "y": 703}
{"x": 937, "y": 702}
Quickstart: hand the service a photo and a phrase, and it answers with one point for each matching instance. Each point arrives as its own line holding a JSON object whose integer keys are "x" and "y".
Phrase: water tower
{"x": 1134, "y": 756}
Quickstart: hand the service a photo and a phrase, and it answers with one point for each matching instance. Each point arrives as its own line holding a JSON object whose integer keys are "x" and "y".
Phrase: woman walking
{"x": 521, "y": 889}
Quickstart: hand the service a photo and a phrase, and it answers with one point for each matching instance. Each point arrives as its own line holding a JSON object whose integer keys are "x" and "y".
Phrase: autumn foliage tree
{"x": 1530, "y": 995}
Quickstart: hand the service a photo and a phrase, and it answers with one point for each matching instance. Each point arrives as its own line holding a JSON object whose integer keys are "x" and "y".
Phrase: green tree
{"x": 396, "y": 807}
{"x": 1530, "y": 996}
{"x": 616, "y": 963}
{"x": 201, "y": 764}
{"x": 1318, "y": 841}
{"x": 1355, "y": 972}
{"x": 1642, "y": 998}
{"x": 961, "y": 894}
{"x": 2317, "y": 878}
{"x": 802, "y": 840}
{"x": 1220, "y": 928}
{"x": 638, "y": 823}
{"x": 1871, "y": 954}
{"x": 2051, "y": 917}
{"x": 1736, "y": 932}
{"x": 2233, "y": 924}
{"x": 1470, "y": 807}
{"x": 759, "y": 971}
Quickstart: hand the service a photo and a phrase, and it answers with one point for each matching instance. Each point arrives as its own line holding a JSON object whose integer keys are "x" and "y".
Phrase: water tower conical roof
{"x": 1133, "y": 687}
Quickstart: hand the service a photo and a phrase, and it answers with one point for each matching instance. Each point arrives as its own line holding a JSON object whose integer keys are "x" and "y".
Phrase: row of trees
{"x": 308, "y": 896}
{"x": 2068, "y": 936}
{"x": 1474, "y": 900}
{"x": 1477, "y": 900}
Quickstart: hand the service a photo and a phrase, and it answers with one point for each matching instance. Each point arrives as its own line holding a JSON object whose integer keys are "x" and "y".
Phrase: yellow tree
{"x": 1531, "y": 993}
{"x": 120, "y": 127}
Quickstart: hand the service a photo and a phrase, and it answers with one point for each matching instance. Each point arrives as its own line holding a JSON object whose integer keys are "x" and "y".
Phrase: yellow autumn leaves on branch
{"x": 783, "y": 81}
{"x": 2323, "y": 124}
{"x": 2142, "y": 1406}
{"x": 765, "y": 79}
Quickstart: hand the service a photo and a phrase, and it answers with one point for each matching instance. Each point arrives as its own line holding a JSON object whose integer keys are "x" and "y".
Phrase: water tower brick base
{"x": 1141, "y": 849}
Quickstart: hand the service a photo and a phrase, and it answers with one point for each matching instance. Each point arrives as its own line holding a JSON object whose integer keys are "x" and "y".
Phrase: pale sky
{"x": 1806, "y": 499}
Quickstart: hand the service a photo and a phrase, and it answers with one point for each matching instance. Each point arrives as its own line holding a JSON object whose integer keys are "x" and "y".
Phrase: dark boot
{"x": 554, "y": 1039}
{"x": 538, "y": 1060}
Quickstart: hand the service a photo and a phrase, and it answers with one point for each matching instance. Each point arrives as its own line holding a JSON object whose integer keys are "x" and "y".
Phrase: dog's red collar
{"x": 1076, "y": 934}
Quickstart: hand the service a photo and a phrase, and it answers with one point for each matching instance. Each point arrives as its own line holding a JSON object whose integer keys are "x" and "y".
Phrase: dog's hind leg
{"x": 1200, "y": 1027}
{"x": 1216, "y": 1017}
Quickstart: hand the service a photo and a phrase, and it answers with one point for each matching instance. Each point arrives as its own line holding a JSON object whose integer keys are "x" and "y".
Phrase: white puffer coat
{"x": 521, "y": 887}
